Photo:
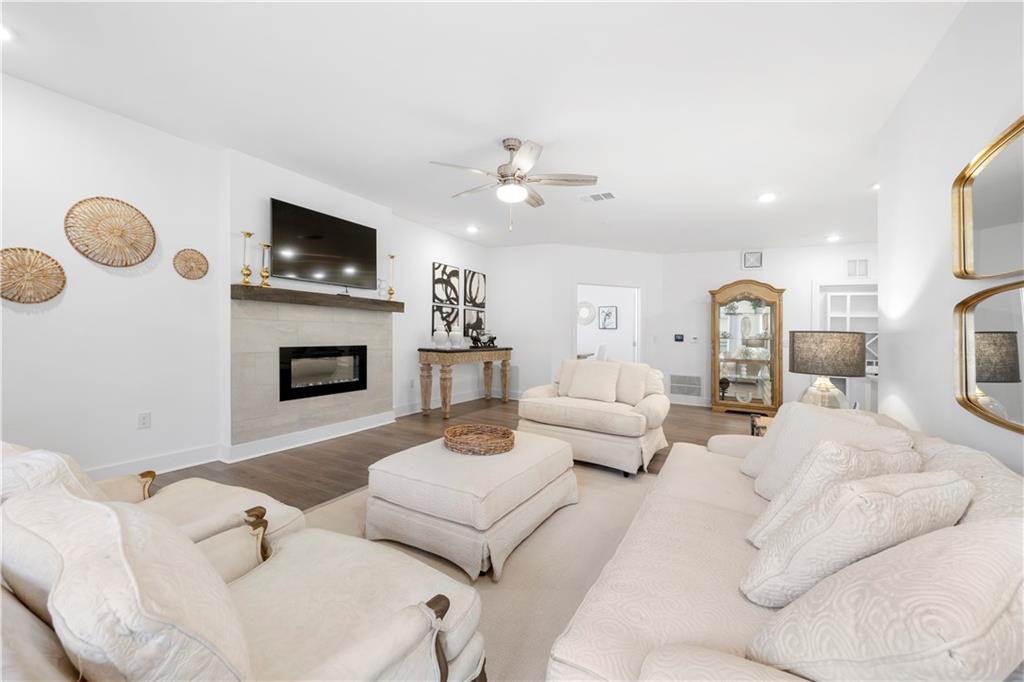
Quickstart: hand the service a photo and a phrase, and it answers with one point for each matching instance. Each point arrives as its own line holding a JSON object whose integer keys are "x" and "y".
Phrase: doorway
{"x": 608, "y": 322}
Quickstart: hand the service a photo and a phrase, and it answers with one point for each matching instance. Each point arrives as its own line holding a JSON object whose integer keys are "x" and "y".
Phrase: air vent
{"x": 603, "y": 196}
{"x": 684, "y": 385}
{"x": 857, "y": 267}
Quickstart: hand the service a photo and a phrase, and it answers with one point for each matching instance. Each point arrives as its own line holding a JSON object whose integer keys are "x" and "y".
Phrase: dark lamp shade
{"x": 828, "y": 354}
{"x": 996, "y": 360}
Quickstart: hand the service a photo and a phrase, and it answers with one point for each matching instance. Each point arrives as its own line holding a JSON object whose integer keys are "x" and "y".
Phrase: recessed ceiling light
{"x": 286, "y": 253}
{"x": 5, "y": 34}
{"x": 766, "y": 198}
{"x": 832, "y": 238}
{"x": 349, "y": 270}
{"x": 472, "y": 229}
{"x": 318, "y": 275}
{"x": 876, "y": 186}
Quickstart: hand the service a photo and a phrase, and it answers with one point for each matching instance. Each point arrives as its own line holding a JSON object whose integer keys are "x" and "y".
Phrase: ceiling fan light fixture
{"x": 511, "y": 192}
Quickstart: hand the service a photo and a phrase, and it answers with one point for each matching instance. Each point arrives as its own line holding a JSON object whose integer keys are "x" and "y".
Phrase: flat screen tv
{"x": 315, "y": 247}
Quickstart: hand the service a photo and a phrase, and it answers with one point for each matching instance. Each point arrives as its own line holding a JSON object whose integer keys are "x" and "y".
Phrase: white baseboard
{"x": 265, "y": 446}
{"x": 459, "y": 397}
{"x": 169, "y": 461}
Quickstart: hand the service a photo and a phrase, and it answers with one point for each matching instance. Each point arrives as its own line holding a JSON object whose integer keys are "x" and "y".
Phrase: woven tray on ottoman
{"x": 479, "y": 439}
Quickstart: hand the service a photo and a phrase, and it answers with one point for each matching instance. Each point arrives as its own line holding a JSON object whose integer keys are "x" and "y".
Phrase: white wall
{"x": 118, "y": 341}
{"x": 690, "y": 276}
{"x": 969, "y": 91}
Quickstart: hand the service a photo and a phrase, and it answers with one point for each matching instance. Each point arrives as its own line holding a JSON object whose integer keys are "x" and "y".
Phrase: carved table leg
{"x": 504, "y": 381}
{"x": 426, "y": 384}
{"x": 446, "y": 390}
{"x": 488, "y": 378}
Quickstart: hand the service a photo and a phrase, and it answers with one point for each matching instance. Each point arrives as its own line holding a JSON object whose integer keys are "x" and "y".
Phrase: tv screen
{"x": 316, "y": 247}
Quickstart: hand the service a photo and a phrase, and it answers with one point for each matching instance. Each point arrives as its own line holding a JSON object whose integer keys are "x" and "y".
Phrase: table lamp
{"x": 996, "y": 361}
{"x": 826, "y": 354}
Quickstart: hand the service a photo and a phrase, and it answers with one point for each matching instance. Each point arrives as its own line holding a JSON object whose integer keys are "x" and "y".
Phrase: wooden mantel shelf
{"x": 241, "y": 292}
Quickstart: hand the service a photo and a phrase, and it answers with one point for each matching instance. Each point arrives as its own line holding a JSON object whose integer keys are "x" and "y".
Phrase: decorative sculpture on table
{"x": 29, "y": 276}
{"x": 246, "y": 270}
{"x": 265, "y": 271}
{"x": 110, "y": 232}
{"x": 391, "y": 276}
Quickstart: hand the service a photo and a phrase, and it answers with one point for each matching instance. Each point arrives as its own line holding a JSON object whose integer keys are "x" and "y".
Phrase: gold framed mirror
{"x": 990, "y": 328}
{"x": 746, "y": 348}
{"x": 988, "y": 210}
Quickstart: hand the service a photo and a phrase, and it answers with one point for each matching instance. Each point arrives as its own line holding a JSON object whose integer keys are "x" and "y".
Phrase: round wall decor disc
{"x": 191, "y": 264}
{"x": 29, "y": 276}
{"x": 110, "y": 231}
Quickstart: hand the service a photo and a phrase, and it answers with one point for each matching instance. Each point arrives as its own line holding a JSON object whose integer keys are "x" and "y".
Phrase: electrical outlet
{"x": 412, "y": 383}
{"x": 145, "y": 420}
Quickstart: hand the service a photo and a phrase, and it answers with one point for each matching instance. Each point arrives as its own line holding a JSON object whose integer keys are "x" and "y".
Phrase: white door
{"x": 615, "y": 324}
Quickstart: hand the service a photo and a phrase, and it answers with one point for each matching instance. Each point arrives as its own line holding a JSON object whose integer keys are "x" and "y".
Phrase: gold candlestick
{"x": 264, "y": 271}
{"x": 391, "y": 276}
{"x": 246, "y": 270}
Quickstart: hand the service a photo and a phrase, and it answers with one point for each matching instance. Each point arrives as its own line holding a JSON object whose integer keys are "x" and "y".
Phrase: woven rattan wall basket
{"x": 110, "y": 231}
{"x": 29, "y": 276}
{"x": 191, "y": 264}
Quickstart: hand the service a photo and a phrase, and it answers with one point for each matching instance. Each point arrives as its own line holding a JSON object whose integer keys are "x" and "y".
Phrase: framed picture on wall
{"x": 753, "y": 260}
{"x": 474, "y": 289}
{"x": 446, "y": 285}
{"x": 444, "y": 318}
{"x": 607, "y": 317}
{"x": 475, "y": 322}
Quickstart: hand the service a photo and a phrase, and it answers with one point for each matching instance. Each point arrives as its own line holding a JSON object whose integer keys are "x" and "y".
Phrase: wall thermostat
{"x": 680, "y": 338}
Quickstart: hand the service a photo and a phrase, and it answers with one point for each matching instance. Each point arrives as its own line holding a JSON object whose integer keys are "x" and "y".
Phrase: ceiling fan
{"x": 512, "y": 180}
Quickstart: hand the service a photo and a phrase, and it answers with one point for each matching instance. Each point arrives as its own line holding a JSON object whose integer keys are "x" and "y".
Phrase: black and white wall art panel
{"x": 476, "y": 322}
{"x": 444, "y": 318}
{"x": 475, "y": 289}
{"x": 446, "y": 284}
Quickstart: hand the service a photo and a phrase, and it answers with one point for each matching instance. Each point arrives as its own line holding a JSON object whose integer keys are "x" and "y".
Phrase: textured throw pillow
{"x": 827, "y": 463}
{"x": 595, "y": 380}
{"x": 565, "y": 375}
{"x": 998, "y": 492}
{"x": 133, "y": 598}
{"x": 943, "y": 606}
{"x": 808, "y": 425}
{"x": 632, "y": 384}
{"x": 655, "y": 383}
{"x": 847, "y": 522}
{"x": 24, "y": 471}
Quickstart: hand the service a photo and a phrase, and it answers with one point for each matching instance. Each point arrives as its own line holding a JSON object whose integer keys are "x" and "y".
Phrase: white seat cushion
{"x": 133, "y": 598}
{"x": 473, "y": 490}
{"x": 828, "y": 462}
{"x": 31, "y": 650}
{"x": 847, "y": 522}
{"x": 943, "y": 606}
{"x": 595, "y": 380}
{"x": 617, "y": 419}
{"x": 202, "y": 508}
{"x": 672, "y": 579}
{"x": 321, "y": 589}
{"x": 692, "y": 472}
{"x": 808, "y": 425}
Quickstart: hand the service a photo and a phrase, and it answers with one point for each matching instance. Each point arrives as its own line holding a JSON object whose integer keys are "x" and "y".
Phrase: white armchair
{"x": 321, "y": 606}
{"x": 612, "y": 413}
{"x": 200, "y": 508}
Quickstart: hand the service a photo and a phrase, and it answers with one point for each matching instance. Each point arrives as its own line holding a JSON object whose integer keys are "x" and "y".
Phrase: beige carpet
{"x": 546, "y": 577}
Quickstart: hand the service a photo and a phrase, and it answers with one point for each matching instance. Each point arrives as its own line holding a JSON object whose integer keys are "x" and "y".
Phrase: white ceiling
{"x": 687, "y": 112}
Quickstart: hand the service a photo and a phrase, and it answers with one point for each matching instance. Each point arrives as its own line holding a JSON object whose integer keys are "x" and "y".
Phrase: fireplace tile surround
{"x": 260, "y": 329}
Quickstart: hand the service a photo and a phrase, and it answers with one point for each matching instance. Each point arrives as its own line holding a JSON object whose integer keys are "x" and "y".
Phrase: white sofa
{"x": 667, "y": 606}
{"x": 106, "y": 590}
{"x": 610, "y": 412}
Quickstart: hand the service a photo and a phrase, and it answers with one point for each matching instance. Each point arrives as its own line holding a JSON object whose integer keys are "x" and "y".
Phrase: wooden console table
{"x": 446, "y": 358}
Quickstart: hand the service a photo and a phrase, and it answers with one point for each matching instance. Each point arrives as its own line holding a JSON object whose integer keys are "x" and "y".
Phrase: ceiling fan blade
{"x": 532, "y": 198}
{"x": 474, "y": 190}
{"x": 563, "y": 179}
{"x": 525, "y": 157}
{"x": 478, "y": 171}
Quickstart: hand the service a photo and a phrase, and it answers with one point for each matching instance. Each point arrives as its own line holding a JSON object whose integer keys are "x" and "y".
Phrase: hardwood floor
{"x": 311, "y": 474}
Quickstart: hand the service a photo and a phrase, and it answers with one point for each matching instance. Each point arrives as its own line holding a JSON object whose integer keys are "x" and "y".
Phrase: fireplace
{"x": 308, "y": 371}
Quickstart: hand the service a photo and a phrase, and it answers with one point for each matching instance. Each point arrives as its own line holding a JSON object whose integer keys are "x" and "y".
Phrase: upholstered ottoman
{"x": 471, "y": 510}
